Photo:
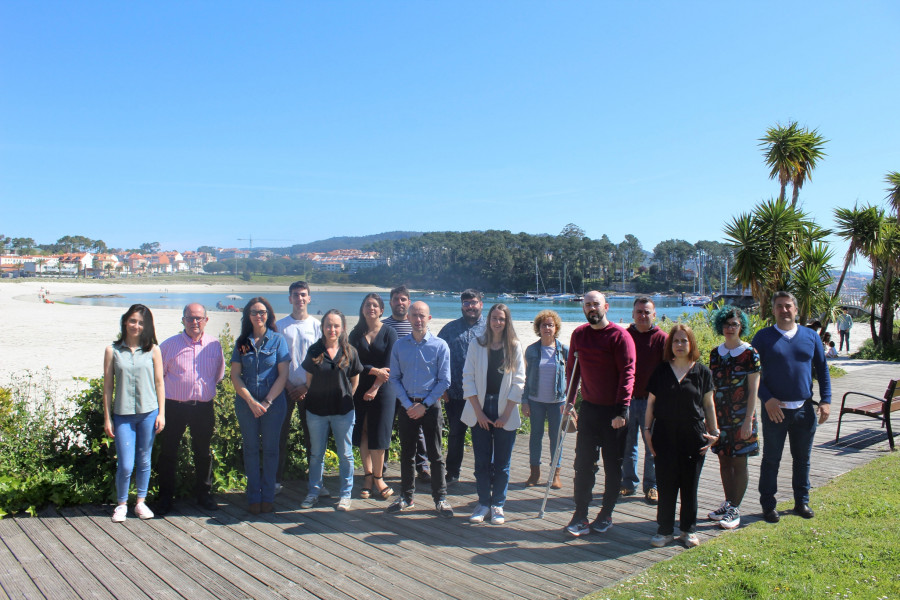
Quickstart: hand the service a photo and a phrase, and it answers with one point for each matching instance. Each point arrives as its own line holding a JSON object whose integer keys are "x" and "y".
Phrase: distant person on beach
{"x": 193, "y": 364}
{"x": 649, "y": 343}
{"x": 787, "y": 354}
{"x": 300, "y": 331}
{"x": 374, "y": 400}
{"x": 545, "y": 392}
{"x": 606, "y": 357}
{"x": 420, "y": 374}
{"x": 493, "y": 382}
{"x": 259, "y": 372}
{"x": 681, "y": 415}
{"x": 832, "y": 351}
{"x": 134, "y": 405}
{"x": 844, "y": 325}
{"x": 332, "y": 376}
{"x": 735, "y": 368}
{"x": 399, "y": 322}
{"x": 458, "y": 334}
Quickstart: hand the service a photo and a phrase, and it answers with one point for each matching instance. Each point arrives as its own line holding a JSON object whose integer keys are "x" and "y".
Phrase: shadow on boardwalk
{"x": 320, "y": 553}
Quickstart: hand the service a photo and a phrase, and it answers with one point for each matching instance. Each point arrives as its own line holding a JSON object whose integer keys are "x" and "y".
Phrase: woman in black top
{"x": 332, "y": 374}
{"x": 373, "y": 399}
{"x": 680, "y": 400}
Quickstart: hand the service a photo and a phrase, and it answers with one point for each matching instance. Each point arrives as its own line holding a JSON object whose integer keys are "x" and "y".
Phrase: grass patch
{"x": 849, "y": 550}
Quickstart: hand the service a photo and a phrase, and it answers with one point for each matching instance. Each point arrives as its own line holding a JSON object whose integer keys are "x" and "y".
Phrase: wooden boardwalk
{"x": 321, "y": 553}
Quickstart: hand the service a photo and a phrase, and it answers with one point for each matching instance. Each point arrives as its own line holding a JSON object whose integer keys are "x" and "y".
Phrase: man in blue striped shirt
{"x": 420, "y": 374}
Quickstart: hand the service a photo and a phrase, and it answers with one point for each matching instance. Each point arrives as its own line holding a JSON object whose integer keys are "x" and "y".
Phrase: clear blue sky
{"x": 204, "y": 122}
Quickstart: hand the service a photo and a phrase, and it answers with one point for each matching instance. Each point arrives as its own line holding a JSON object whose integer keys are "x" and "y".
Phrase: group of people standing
{"x": 637, "y": 383}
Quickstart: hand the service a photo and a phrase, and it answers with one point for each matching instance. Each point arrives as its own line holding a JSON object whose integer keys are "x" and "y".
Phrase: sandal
{"x": 366, "y": 492}
{"x": 387, "y": 492}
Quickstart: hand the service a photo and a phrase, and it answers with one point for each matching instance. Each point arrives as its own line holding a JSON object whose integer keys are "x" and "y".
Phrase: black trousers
{"x": 678, "y": 467}
{"x": 285, "y": 432}
{"x": 201, "y": 419}
{"x": 597, "y": 437}
{"x": 431, "y": 425}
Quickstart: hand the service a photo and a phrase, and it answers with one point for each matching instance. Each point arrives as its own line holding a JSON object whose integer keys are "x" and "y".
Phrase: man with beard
{"x": 458, "y": 334}
{"x": 606, "y": 360}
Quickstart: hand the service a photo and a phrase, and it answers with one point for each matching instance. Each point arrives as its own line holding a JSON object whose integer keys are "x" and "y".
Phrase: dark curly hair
{"x": 727, "y": 312}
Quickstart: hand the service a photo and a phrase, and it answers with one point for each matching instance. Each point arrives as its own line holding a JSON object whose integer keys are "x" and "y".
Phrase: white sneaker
{"x": 690, "y": 540}
{"x": 497, "y": 517}
{"x": 309, "y": 501}
{"x": 120, "y": 513}
{"x": 732, "y": 518}
{"x": 480, "y": 513}
{"x": 278, "y": 488}
{"x": 344, "y": 504}
{"x": 717, "y": 514}
{"x": 142, "y": 511}
{"x": 659, "y": 540}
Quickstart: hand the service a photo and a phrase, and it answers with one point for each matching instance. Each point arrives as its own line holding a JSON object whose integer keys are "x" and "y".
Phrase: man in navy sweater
{"x": 787, "y": 354}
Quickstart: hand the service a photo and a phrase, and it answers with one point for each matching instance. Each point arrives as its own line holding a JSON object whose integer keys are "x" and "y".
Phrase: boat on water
{"x": 696, "y": 301}
{"x": 620, "y": 297}
{"x": 505, "y": 296}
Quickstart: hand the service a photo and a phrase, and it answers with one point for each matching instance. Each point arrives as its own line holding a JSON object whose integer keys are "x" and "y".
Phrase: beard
{"x": 594, "y": 318}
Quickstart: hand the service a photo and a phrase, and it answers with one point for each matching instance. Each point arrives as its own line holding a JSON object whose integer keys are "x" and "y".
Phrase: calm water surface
{"x": 442, "y": 307}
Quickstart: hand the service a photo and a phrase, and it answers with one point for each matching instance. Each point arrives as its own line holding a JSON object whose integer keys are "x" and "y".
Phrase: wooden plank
{"x": 15, "y": 581}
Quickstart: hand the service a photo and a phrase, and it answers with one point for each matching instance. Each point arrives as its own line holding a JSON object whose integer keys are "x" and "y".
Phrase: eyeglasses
{"x": 258, "y": 313}
{"x": 731, "y": 325}
{"x": 470, "y": 303}
{"x": 194, "y": 319}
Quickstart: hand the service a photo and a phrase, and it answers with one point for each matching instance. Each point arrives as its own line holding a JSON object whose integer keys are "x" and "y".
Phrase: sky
{"x": 207, "y": 123}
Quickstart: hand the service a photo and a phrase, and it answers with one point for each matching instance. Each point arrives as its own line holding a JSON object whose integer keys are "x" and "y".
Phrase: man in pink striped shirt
{"x": 192, "y": 366}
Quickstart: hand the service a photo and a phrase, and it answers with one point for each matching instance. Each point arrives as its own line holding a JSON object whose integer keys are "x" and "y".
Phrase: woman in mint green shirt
{"x": 134, "y": 404}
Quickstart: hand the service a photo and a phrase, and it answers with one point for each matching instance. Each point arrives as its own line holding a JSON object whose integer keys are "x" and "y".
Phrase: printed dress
{"x": 731, "y": 369}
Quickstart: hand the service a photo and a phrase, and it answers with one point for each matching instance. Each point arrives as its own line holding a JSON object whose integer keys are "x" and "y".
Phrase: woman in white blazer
{"x": 493, "y": 382}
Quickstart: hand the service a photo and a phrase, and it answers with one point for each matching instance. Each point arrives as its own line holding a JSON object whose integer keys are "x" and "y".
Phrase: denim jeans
{"x": 456, "y": 439}
{"x": 493, "y": 450}
{"x": 134, "y": 444}
{"x": 629, "y": 462}
{"x": 260, "y": 433}
{"x": 342, "y": 428}
{"x": 541, "y": 412}
{"x": 799, "y": 427}
{"x": 845, "y": 339}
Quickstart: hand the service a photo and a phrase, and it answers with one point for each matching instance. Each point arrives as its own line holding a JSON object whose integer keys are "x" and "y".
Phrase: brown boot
{"x": 535, "y": 477}
{"x": 556, "y": 484}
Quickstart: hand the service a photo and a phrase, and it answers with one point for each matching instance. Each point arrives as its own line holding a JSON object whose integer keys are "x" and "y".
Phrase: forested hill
{"x": 357, "y": 243}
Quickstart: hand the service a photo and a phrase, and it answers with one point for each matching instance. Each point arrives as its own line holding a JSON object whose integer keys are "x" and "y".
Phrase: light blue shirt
{"x": 420, "y": 369}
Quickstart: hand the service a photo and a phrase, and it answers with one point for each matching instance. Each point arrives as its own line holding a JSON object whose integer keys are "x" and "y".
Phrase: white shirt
{"x": 300, "y": 335}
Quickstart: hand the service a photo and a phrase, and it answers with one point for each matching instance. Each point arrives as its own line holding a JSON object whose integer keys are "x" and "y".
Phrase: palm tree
{"x": 792, "y": 152}
{"x": 893, "y": 197}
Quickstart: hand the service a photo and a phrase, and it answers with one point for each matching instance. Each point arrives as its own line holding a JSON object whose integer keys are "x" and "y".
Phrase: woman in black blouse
{"x": 373, "y": 399}
{"x": 332, "y": 374}
{"x": 680, "y": 400}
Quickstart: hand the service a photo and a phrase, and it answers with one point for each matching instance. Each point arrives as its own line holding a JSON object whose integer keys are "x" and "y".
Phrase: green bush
{"x": 870, "y": 351}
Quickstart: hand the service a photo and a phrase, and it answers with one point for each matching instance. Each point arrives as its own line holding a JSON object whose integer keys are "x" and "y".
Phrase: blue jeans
{"x": 134, "y": 440}
{"x": 799, "y": 427}
{"x": 540, "y": 412}
{"x": 629, "y": 462}
{"x": 493, "y": 450}
{"x": 260, "y": 433}
{"x": 342, "y": 427}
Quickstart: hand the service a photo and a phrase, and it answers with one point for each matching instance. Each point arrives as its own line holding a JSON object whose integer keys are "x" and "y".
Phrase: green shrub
{"x": 870, "y": 351}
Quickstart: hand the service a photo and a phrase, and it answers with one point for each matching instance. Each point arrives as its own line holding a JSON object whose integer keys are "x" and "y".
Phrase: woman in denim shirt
{"x": 259, "y": 371}
{"x": 545, "y": 390}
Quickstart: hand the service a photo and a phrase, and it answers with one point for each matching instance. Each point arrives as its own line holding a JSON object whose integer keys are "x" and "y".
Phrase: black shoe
{"x": 425, "y": 476}
{"x": 452, "y": 479}
{"x": 164, "y": 506}
{"x": 803, "y": 510}
{"x": 206, "y": 502}
{"x": 771, "y": 516}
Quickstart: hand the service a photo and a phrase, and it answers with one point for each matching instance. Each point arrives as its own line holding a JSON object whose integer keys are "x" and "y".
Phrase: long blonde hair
{"x": 509, "y": 341}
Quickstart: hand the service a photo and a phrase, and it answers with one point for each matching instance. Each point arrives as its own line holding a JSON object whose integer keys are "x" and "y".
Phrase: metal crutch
{"x": 560, "y": 438}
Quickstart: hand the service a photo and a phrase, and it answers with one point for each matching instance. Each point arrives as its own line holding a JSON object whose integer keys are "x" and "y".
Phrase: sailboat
{"x": 563, "y": 297}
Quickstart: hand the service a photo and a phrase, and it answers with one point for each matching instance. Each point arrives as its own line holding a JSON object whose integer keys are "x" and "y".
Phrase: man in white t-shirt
{"x": 301, "y": 331}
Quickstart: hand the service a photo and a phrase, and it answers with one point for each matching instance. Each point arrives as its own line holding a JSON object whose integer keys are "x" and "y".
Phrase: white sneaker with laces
{"x": 142, "y": 511}
{"x": 344, "y": 504}
{"x": 659, "y": 540}
{"x": 497, "y": 517}
{"x": 690, "y": 540}
{"x": 120, "y": 513}
{"x": 479, "y": 514}
{"x": 732, "y": 518}
{"x": 717, "y": 514}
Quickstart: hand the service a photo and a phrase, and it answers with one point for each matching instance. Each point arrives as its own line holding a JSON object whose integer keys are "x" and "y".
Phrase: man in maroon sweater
{"x": 606, "y": 359}
{"x": 649, "y": 342}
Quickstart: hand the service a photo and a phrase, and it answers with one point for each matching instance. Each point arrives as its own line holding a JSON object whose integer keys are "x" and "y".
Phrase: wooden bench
{"x": 880, "y": 409}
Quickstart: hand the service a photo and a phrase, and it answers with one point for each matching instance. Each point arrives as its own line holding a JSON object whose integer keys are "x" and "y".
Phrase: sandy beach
{"x": 70, "y": 339}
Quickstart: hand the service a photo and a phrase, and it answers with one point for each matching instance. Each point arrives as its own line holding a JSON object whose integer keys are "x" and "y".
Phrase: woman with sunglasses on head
{"x": 259, "y": 372}
{"x": 134, "y": 405}
{"x": 681, "y": 417}
{"x": 735, "y": 368}
{"x": 332, "y": 375}
{"x": 493, "y": 383}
